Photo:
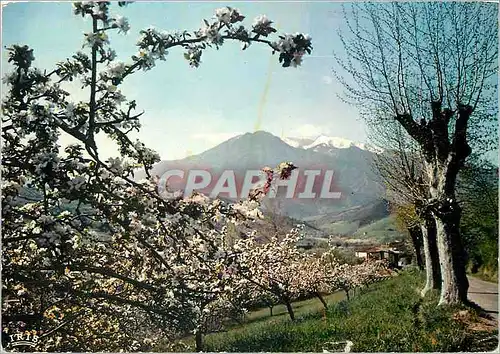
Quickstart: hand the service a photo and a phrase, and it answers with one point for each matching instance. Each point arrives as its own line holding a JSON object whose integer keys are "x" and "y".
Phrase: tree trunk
{"x": 432, "y": 265}
{"x": 347, "y": 294}
{"x": 199, "y": 341}
{"x": 452, "y": 258}
{"x": 271, "y": 311}
{"x": 436, "y": 268}
{"x": 318, "y": 295}
{"x": 290, "y": 310}
{"x": 447, "y": 214}
{"x": 416, "y": 239}
{"x": 444, "y": 156}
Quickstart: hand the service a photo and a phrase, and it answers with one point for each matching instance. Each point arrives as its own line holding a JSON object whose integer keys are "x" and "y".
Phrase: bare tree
{"x": 432, "y": 68}
{"x": 402, "y": 172}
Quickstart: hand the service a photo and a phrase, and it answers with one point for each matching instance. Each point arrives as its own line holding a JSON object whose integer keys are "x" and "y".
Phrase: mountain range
{"x": 361, "y": 191}
{"x": 328, "y": 144}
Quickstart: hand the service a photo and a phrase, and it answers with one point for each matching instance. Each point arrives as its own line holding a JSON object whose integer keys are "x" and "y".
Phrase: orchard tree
{"x": 92, "y": 259}
{"x": 273, "y": 266}
{"x": 315, "y": 281}
{"x": 338, "y": 276}
{"x": 346, "y": 277}
{"x": 432, "y": 68}
{"x": 256, "y": 297}
{"x": 371, "y": 271}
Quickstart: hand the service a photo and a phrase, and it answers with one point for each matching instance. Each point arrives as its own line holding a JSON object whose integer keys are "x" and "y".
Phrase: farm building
{"x": 392, "y": 255}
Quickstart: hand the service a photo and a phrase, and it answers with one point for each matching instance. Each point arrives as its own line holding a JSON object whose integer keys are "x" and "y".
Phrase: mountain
{"x": 328, "y": 144}
{"x": 353, "y": 175}
{"x": 253, "y": 150}
{"x": 298, "y": 142}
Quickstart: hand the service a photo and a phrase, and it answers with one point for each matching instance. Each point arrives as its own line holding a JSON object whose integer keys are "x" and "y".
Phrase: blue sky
{"x": 189, "y": 110}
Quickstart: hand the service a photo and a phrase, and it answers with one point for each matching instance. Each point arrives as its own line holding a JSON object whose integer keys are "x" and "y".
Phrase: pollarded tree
{"x": 400, "y": 167}
{"x": 407, "y": 221}
{"x": 93, "y": 259}
{"x": 432, "y": 68}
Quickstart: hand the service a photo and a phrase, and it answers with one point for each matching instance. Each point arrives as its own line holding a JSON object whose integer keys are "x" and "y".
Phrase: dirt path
{"x": 485, "y": 294}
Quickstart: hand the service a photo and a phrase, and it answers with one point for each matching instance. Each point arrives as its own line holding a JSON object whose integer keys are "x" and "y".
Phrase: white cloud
{"x": 214, "y": 138}
{"x": 309, "y": 131}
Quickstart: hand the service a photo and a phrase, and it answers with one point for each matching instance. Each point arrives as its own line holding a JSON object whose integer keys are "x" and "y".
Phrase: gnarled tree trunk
{"x": 443, "y": 159}
{"x": 447, "y": 214}
{"x": 451, "y": 254}
{"x": 432, "y": 266}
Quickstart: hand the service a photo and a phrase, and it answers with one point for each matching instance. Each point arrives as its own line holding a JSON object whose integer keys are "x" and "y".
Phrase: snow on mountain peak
{"x": 337, "y": 142}
{"x": 324, "y": 141}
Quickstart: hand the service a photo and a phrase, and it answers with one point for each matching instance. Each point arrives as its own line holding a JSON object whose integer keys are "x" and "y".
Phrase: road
{"x": 485, "y": 294}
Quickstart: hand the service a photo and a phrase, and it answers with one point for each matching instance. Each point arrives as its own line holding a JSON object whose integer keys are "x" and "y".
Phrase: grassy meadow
{"x": 389, "y": 316}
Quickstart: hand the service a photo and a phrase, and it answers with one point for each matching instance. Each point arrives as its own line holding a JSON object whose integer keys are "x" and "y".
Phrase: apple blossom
{"x": 116, "y": 69}
{"x": 122, "y": 24}
{"x": 97, "y": 260}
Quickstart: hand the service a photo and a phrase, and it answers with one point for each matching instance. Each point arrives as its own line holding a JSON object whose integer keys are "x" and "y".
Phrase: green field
{"x": 383, "y": 231}
{"x": 388, "y": 316}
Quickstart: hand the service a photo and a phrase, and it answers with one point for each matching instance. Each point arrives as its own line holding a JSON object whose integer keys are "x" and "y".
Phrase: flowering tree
{"x": 338, "y": 276}
{"x": 273, "y": 267}
{"x": 347, "y": 277}
{"x": 92, "y": 259}
{"x": 314, "y": 274}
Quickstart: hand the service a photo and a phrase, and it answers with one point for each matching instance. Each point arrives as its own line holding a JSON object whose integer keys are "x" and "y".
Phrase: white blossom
{"x": 70, "y": 110}
{"x": 116, "y": 69}
{"x": 261, "y": 20}
{"x": 198, "y": 198}
{"x": 286, "y": 44}
{"x": 147, "y": 58}
{"x": 122, "y": 24}
{"x": 117, "y": 165}
{"x": 76, "y": 183}
{"x": 96, "y": 10}
{"x": 111, "y": 54}
{"x": 10, "y": 78}
{"x": 99, "y": 39}
{"x": 45, "y": 219}
{"x": 111, "y": 88}
{"x": 118, "y": 97}
{"x": 249, "y": 209}
{"x": 211, "y": 33}
{"x": 148, "y": 155}
{"x": 223, "y": 15}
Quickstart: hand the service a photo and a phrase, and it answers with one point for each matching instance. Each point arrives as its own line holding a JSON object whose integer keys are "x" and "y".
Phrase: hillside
{"x": 383, "y": 230}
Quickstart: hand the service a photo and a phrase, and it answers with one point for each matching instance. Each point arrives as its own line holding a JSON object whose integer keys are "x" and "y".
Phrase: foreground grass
{"x": 388, "y": 316}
